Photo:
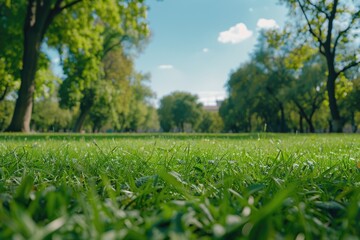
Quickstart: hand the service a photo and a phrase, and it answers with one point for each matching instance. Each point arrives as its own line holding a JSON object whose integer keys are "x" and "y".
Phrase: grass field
{"x": 257, "y": 186}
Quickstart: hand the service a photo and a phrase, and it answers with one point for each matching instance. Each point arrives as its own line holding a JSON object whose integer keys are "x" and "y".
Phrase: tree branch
{"x": 58, "y": 4}
{"x": 316, "y": 104}
{"x": 2, "y": 97}
{"x": 321, "y": 50}
{"x": 117, "y": 43}
{"x": 341, "y": 33}
{"x": 309, "y": 24}
{"x": 301, "y": 110}
{"x": 331, "y": 24}
{"x": 350, "y": 65}
{"x": 319, "y": 27}
{"x": 69, "y": 5}
{"x": 57, "y": 10}
{"x": 319, "y": 9}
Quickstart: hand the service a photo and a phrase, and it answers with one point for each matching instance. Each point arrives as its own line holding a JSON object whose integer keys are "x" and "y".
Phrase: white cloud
{"x": 235, "y": 34}
{"x": 165, "y": 66}
{"x": 205, "y": 50}
{"x": 263, "y": 23}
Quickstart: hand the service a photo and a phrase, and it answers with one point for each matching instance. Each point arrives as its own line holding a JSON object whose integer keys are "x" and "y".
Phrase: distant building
{"x": 213, "y": 108}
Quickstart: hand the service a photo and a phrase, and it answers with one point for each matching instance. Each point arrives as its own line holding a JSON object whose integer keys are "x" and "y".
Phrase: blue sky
{"x": 196, "y": 43}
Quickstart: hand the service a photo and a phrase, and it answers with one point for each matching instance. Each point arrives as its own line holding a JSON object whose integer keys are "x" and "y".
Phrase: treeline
{"x": 302, "y": 78}
{"x": 119, "y": 99}
{"x": 282, "y": 88}
{"x": 183, "y": 112}
{"x": 94, "y": 45}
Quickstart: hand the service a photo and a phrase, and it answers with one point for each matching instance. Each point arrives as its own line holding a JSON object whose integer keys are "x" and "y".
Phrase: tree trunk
{"x": 81, "y": 119}
{"x": 5, "y": 92}
{"x": 311, "y": 125}
{"x": 249, "y": 123}
{"x": 22, "y": 113}
{"x": 86, "y": 104}
{"x": 39, "y": 16}
{"x": 283, "y": 127}
{"x": 353, "y": 123}
{"x": 336, "y": 123}
{"x": 301, "y": 123}
{"x": 34, "y": 25}
{"x": 329, "y": 53}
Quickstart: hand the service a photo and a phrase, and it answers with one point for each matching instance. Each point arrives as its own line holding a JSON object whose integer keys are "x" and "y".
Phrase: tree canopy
{"x": 75, "y": 28}
{"x": 334, "y": 26}
{"x": 179, "y": 109}
{"x": 303, "y": 77}
{"x": 281, "y": 83}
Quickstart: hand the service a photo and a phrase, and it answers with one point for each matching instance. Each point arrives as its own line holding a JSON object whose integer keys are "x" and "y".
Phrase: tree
{"x": 179, "y": 109}
{"x": 303, "y": 72}
{"x": 269, "y": 58}
{"x": 6, "y": 109}
{"x": 123, "y": 97}
{"x": 255, "y": 96}
{"x": 165, "y": 113}
{"x": 211, "y": 122}
{"x": 101, "y": 75}
{"x": 10, "y": 47}
{"x": 48, "y": 116}
{"x": 80, "y": 86}
{"x": 7, "y": 81}
{"x": 139, "y": 106}
{"x": 281, "y": 76}
{"x": 74, "y": 23}
{"x": 334, "y": 25}
{"x": 350, "y": 100}
{"x": 258, "y": 88}
{"x": 152, "y": 120}
{"x": 230, "y": 116}
{"x": 245, "y": 88}
{"x": 307, "y": 91}
{"x": 39, "y": 15}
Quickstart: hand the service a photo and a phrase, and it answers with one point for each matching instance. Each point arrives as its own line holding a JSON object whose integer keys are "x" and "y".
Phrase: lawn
{"x": 249, "y": 186}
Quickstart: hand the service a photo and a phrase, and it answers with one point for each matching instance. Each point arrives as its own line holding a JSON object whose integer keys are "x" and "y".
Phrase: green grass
{"x": 249, "y": 186}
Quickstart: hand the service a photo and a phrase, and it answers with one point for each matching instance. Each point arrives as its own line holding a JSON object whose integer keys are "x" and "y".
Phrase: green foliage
{"x": 139, "y": 105}
{"x": 350, "y": 101}
{"x": 6, "y": 110}
{"x": 132, "y": 109}
{"x": 107, "y": 87}
{"x": 77, "y": 30}
{"x": 98, "y": 72}
{"x": 179, "y": 186}
{"x": 97, "y": 29}
{"x": 282, "y": 80}
{"x": 313, "y": 20}
{"x": 46, "y": 83}
{"x": 229, "y": 113}
{"x": 354, "y": 95}
{"x": 11, "y": 40}
{"x": 307, "y": 91}
{"x": 178, "y": 109}
{"x": 211, "y": 123}
{"x": 82, "y": 73}
{"x": 49, "y": 117}
{"x": 332, "y": 27}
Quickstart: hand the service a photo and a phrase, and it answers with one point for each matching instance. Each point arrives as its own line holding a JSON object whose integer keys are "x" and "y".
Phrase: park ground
{"x": 180, "y": 186}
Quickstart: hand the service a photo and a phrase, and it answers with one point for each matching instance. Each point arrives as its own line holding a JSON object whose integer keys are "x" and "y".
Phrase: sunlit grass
{"x": 179, "y": 186}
